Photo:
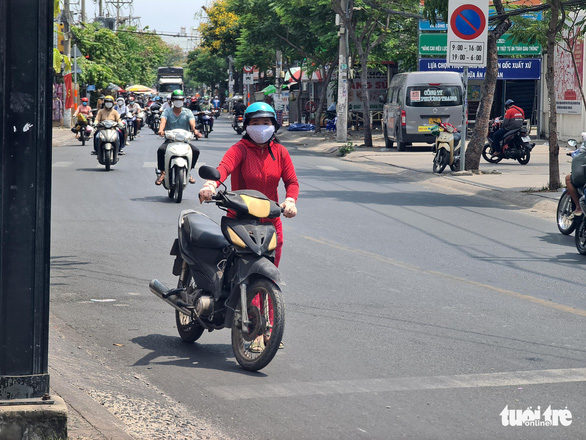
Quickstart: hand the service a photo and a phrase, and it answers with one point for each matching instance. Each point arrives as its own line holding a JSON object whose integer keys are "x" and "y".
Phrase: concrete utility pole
{"x": 26, "y": 37}
{"x": 342, "y": 106}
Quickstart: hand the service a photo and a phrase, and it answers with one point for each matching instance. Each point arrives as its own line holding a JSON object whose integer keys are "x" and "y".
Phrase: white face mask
{"x": 260, "y": 134}
{"x": 177, "y": 103}
{"x": 120, "y": 103}
{"x": 108, "y": 105}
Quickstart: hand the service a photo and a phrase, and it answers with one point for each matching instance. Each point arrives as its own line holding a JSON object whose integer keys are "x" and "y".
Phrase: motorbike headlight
{"x": 180, "y": 137}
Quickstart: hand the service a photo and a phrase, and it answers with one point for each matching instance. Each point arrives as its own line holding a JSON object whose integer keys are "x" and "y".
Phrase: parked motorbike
{"x": 447, "y": 139}
{"x": 238, "y": 123}
{"x": 178, "y": 159}
{"x": 517, "y": 144}
{"x": 205, "y": 122}
{"x": 580, "y": 237}
{"x": 224, "y": 270}
{"x": 565, "y": 221}
{"x": 108, "y": 143}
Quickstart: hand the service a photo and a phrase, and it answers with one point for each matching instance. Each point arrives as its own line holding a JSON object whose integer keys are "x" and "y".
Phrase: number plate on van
{"x": 435, "y": 120}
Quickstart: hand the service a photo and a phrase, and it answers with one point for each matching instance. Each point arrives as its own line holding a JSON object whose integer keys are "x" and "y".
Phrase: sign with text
{"x": 509, "y": 68}
{"x": 467, "y": 32}
{"x": 437, "y": 44}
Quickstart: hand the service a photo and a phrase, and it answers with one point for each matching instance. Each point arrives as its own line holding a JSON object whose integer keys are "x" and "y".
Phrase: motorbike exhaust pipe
{"x": 161, "y": 291}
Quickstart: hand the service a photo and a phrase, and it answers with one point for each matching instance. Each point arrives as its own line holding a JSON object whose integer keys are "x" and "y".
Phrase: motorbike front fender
{"x": 246, "y": 268}
{"x": 244, "y": 271}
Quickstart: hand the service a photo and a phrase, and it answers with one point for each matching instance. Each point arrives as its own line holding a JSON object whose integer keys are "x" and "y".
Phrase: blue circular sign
{"x": 468, "y": 22}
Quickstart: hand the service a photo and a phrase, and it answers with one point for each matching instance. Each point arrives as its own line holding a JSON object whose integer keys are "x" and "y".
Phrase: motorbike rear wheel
{"x": 580, "y": 237}
{"x": 259, "y": 325}
{"x": 189, "y": 330}
{"x": 440, "y": 161}
{"x": 488, "y": 156}
{"x": 565, "y": 208}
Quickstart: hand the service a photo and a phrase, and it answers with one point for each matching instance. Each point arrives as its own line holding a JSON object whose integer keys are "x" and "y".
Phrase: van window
{"x": 434, "y": 96}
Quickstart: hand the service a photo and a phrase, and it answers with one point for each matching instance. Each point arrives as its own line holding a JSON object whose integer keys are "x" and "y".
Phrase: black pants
{"x": 163, "y": 148}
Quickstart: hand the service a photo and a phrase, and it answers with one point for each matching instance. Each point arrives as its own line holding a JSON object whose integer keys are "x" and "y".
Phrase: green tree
{"x": 124, "y": 58}
{"x": 369, "y": 23}
{"x": 205, "y": 68}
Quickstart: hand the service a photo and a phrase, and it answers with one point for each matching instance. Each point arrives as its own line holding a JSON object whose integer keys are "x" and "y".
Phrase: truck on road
{"x": 168, "y": 80}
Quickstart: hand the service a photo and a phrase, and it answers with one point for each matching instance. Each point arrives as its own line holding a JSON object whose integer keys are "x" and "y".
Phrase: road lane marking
{"x": 402, "y": 265}
{"x": 327, "y": 168}
{"x": 62, "y": 164}
{"x": 330, "y": 387}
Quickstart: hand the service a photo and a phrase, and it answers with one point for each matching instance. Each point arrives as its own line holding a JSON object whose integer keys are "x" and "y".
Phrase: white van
{"x": 415, "y": 101}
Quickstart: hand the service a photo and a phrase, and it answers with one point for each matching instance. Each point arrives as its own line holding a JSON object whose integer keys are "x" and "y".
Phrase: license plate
{"x": 435, "y": 120}
{"x": 526, "y": 139}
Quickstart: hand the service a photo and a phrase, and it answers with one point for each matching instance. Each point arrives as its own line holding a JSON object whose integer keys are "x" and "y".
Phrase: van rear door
{"x": 433, "y": 103}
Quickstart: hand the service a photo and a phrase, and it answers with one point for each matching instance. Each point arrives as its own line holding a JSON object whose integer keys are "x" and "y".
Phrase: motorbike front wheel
{"x": 180, "y": 178}
{"x": 565, "y": 208}
{"x": 488, "y": 156}
{"x": 251, "y": 355}
{"x": 581, "y": 236}
{"x": 524, "y": 160}
{"x": 440, "y": 161}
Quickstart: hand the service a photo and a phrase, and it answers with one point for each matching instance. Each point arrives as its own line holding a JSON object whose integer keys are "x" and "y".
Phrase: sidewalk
{"x": 522, "y": 185}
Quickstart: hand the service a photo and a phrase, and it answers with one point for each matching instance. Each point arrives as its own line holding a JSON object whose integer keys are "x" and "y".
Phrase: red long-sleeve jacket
{"x": 253, "y": 167}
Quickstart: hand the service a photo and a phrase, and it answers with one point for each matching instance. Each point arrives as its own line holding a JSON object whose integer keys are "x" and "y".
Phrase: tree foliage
{"x": 123, "y": 58}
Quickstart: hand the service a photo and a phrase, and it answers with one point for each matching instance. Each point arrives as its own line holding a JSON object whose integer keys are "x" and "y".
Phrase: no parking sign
{"x": 467, "y": 33}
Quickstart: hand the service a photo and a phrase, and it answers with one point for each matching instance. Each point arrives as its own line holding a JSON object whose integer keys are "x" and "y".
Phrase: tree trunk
{"x": 365, "y": 100}
{"x": 478, "y": 140}
{"x": 554, "y": 168}
{"x": 324, "y": 94}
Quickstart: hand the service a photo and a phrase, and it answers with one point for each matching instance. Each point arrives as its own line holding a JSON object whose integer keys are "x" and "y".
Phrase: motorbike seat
{"x": 457, "y": 138}
{"x": 202, "y": 231}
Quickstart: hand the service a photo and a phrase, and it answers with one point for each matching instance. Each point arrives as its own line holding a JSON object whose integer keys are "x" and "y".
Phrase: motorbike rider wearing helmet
{"x": 108, "y": 113}
{"x": 85, "y": 110}
{"x": 513, "y": 119}
{"x": 135, "y": 108}
{"x": 239, "y": 109}
{"x": 121, "y": 108}
{"x": 205, "y": 106}
{"x": 259, "y": 162}
{"x": 176, "y": 117}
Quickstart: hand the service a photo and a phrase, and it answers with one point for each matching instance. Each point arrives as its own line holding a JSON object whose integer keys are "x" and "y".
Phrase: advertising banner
{"x": 567, "y": 84}
{"x": 376, "y": 86}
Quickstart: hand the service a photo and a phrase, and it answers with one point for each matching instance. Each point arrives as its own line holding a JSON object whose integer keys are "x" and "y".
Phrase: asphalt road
{"x": 412, "y": 311}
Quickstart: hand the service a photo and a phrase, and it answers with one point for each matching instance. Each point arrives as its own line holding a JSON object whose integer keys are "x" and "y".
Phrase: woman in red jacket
{"x": 259, "y": 162}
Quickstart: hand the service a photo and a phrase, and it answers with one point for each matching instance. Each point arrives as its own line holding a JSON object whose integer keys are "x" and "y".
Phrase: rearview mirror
{"x": 572, "y": 143}
{"x": 209, "y": 173}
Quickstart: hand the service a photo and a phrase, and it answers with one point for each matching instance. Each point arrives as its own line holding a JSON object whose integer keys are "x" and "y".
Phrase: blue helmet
{"x": 260, "y": 110}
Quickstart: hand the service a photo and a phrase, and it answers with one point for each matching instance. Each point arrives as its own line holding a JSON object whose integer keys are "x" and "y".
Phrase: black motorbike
{"x": 517, "y": 144}
{"x": 580, "y": 237}
{"x": 227, "y": 276}
{"x": 204, "y": 122}
{"x": 155, "y": 120}
{"x": 566, "y": 222}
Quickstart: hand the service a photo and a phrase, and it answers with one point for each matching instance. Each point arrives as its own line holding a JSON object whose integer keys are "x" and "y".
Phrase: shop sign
{"x": 509, "y": 68}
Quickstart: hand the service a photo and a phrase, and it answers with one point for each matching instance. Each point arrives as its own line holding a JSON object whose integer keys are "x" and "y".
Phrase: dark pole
{"x": 26, "y": 42}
